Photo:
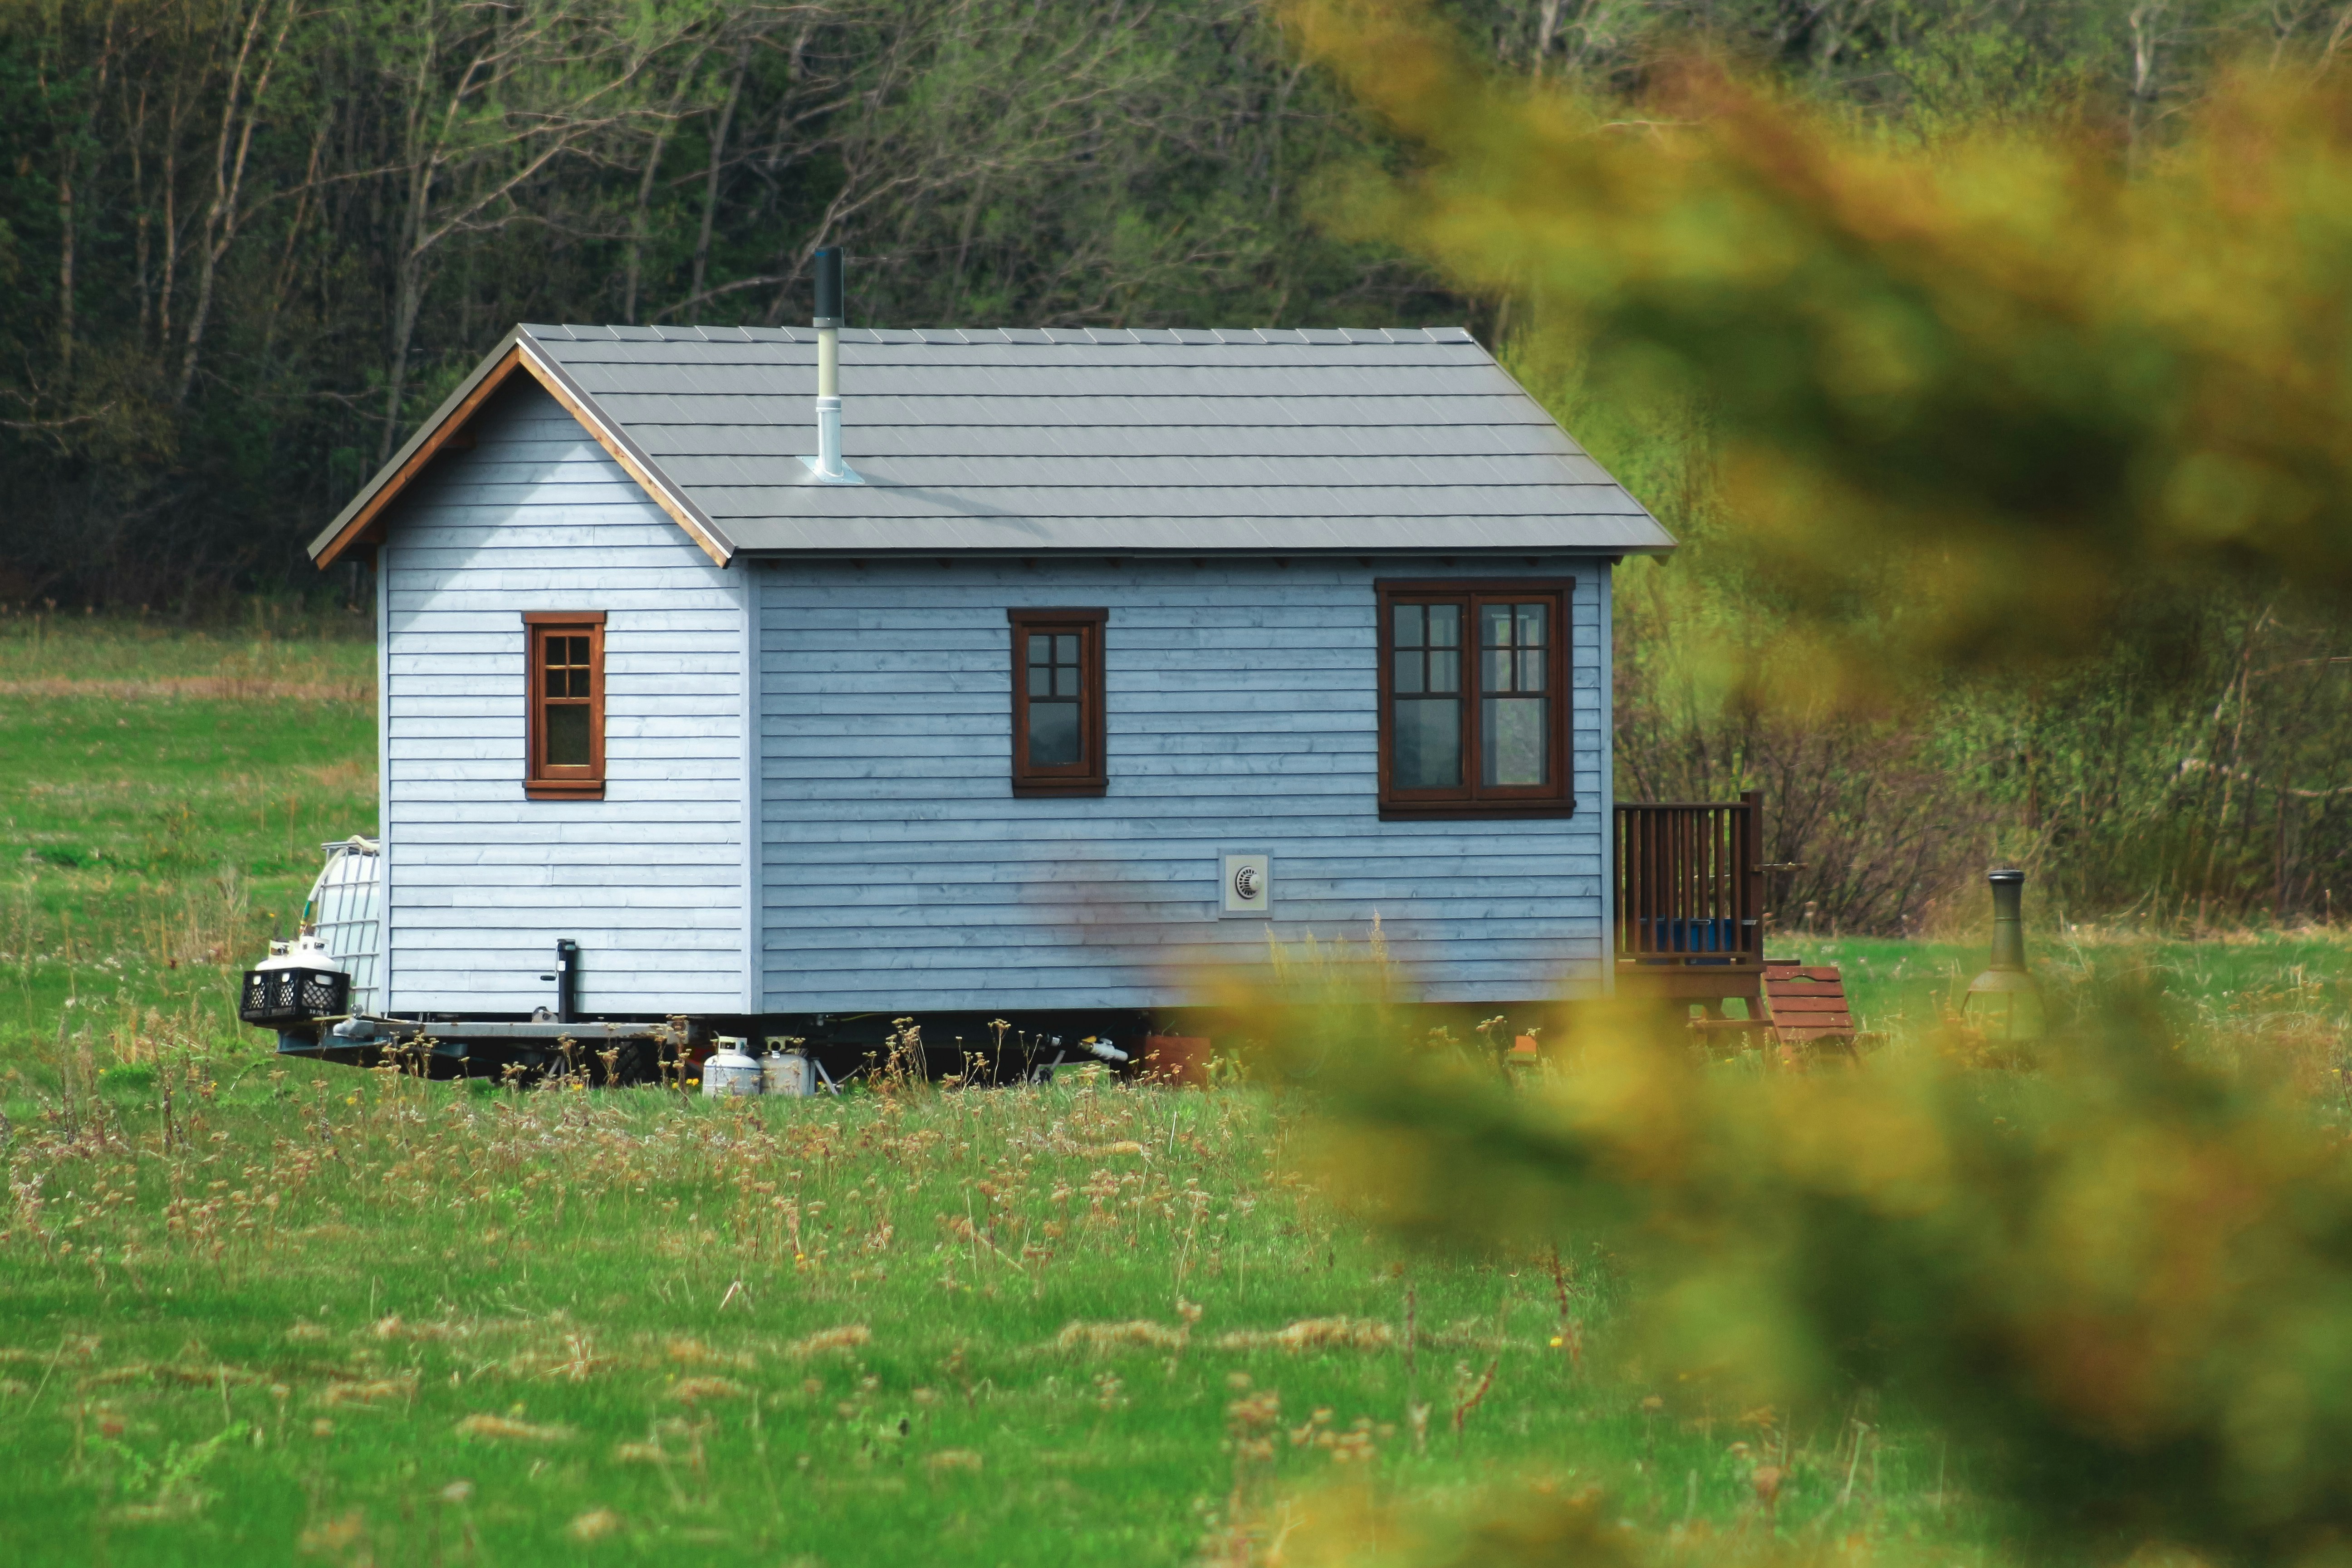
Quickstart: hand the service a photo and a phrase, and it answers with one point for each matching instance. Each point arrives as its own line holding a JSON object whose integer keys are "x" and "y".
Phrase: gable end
{"x": 362, "y": 523}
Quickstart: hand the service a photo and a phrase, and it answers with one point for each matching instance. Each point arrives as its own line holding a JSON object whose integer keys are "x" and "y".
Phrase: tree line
{"x": 246, "y": 244}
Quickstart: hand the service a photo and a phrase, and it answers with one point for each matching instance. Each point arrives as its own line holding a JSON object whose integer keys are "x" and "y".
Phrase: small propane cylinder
{"x": 784, "y": 1071}
{"x": 2004, "y": 1002}
{"x": 305, "y": 952}
{"x": 730, "y": 1071}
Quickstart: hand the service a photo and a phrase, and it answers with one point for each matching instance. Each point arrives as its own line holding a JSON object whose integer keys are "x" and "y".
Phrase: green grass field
{"x": 251, "y": 1311}
{"x": 163, "y": 798}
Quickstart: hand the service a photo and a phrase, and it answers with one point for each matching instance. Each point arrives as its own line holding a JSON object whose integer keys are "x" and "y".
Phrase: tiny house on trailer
{"x": 1010, "y": 674}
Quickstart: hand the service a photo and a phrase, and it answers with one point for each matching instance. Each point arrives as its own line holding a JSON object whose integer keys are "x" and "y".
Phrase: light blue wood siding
{"x": 651, "y": 879}
{"x": 898, "y": 870}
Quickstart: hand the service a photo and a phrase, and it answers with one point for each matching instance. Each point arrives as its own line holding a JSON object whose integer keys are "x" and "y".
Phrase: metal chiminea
{"x": 827, "y": 467}
{"x": 2004, "y": 1002}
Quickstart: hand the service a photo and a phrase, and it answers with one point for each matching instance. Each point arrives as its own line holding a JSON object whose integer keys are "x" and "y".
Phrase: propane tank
{"x": 785, "y": 1071}
{"x": 305, "y": 952}
{"x": 730, "y": 1071}
{"x": 2004, "y": 1003}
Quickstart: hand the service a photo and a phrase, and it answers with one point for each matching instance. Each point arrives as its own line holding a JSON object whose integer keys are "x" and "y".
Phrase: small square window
{"x": 1057, "y": 701}
{"x": 565, "y": 745}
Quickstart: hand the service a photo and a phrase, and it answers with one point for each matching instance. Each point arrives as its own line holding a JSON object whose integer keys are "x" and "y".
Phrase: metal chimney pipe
{"x": 827, "y": 322}
{"x": 2008, "y": 920}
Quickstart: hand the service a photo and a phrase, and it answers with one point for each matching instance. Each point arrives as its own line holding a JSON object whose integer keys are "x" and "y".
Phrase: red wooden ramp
{"x": 1807, "y": 1003}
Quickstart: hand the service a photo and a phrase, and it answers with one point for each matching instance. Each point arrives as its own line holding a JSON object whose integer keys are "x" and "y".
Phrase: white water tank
{"x": 345, "y": 915}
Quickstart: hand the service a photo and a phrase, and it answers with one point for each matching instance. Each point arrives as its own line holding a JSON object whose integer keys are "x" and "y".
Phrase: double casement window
{"x": 565, "y": 677}
{"x": 1473, "y": 699}
{"x": 1057, "y": 702}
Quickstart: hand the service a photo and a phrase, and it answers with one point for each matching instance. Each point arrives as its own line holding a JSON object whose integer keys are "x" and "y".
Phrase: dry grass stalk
{"x": 953, "y": 1460}
{"x": 1140, "y": 1333}
{"x": 694, "y": 1352}
{"x": 594, "y": 1525}
{"x": 510, "y": 1428}
{"x": 849, "y": 1337}
{"x": 1314, "y": 1334}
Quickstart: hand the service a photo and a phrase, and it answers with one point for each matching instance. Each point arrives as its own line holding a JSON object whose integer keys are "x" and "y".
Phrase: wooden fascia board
{"x": 632, "y": 458}
{"x": 355, "y": 524}
{"x": 352, "y": 524}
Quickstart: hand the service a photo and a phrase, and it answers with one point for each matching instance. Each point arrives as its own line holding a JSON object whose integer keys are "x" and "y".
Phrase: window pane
{"x": 1495, "y": 670}
{"x": 1531, "y": 625}
{"x": 1041, "y": 680}
{"x": 1053, "y": 734}
{"x": 1494, "y": 626}
{"x": 1410, "y": 625}
{"x": 1041, "y": 651}
{"x": 567, "y": 735}
{"x": 1531, "y": 670}
{"x": 578, "y": 650}
{"x": 1408, "y": 672}
{"x": 1066, "y": 648}
{"x": 1445, "y": 672}
{"x": 1065, "y": 680}
{"x": 555, "y": 682}
{"x": 1426, "y": 750}
{"x": 579, "y": 682}
{"x": 1514, "y": 735}
{"x": 1444, "y": 626}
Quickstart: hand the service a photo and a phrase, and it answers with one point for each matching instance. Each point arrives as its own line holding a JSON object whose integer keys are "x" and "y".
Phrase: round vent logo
{"x": 1248, "y": 883}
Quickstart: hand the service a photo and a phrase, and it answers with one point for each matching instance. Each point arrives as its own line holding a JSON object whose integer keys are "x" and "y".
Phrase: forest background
{"x": 246, "y": 244}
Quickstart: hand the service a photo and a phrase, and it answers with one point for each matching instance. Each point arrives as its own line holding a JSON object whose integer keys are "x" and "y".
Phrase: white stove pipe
{"x": 828, "y": 364}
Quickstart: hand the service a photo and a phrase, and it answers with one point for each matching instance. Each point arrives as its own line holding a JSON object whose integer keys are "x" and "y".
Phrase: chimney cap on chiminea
{"x": 829, "y": 311}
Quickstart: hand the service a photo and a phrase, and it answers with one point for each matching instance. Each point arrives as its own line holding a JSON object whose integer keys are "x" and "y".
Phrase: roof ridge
{"x": 1074, "y": 336}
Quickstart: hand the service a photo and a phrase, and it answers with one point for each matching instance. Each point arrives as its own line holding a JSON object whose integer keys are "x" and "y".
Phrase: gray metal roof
{"x": 1099, "y": 440}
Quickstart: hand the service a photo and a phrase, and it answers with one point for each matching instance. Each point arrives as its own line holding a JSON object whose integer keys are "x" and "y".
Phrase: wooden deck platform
{"x": 1689, "y": 900}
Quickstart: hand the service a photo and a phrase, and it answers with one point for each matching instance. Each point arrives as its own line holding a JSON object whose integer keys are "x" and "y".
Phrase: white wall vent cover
{"x": 1246, "y": 884}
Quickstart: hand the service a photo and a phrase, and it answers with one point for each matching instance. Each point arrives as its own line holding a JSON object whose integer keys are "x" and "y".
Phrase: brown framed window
{"x": 1473, "y": 699}
{"x": 566, "y": 682}
{"x": 1057, "y": 701}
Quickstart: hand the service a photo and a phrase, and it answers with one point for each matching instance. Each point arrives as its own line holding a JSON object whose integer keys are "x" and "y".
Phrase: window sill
{"x": 1455, "y": 810}
{"x": 563, "y": 790}
{"x": 1050, "y": 791}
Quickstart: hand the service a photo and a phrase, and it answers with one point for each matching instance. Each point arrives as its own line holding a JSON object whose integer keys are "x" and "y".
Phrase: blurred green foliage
{"x": 1982, "y": 401}
{"x": 2120, "y": 1283}
{"x": 1969, "y": 399}
{"x": 2006, "y": 439}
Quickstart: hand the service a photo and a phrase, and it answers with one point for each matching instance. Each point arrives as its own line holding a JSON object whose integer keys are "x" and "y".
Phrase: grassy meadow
{"x": 163, "y": 797}
{"x": 262, "y": 1311}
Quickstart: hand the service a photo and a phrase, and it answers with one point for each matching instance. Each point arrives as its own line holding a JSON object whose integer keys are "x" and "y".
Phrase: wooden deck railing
{"x": 1689, "y": 886}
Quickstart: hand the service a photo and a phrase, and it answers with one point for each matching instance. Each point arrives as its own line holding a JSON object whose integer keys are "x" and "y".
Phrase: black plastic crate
{"x": 294, "y": 996}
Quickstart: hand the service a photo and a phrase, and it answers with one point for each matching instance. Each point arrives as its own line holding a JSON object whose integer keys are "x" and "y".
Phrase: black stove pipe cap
{"x": 828, "y": 286}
